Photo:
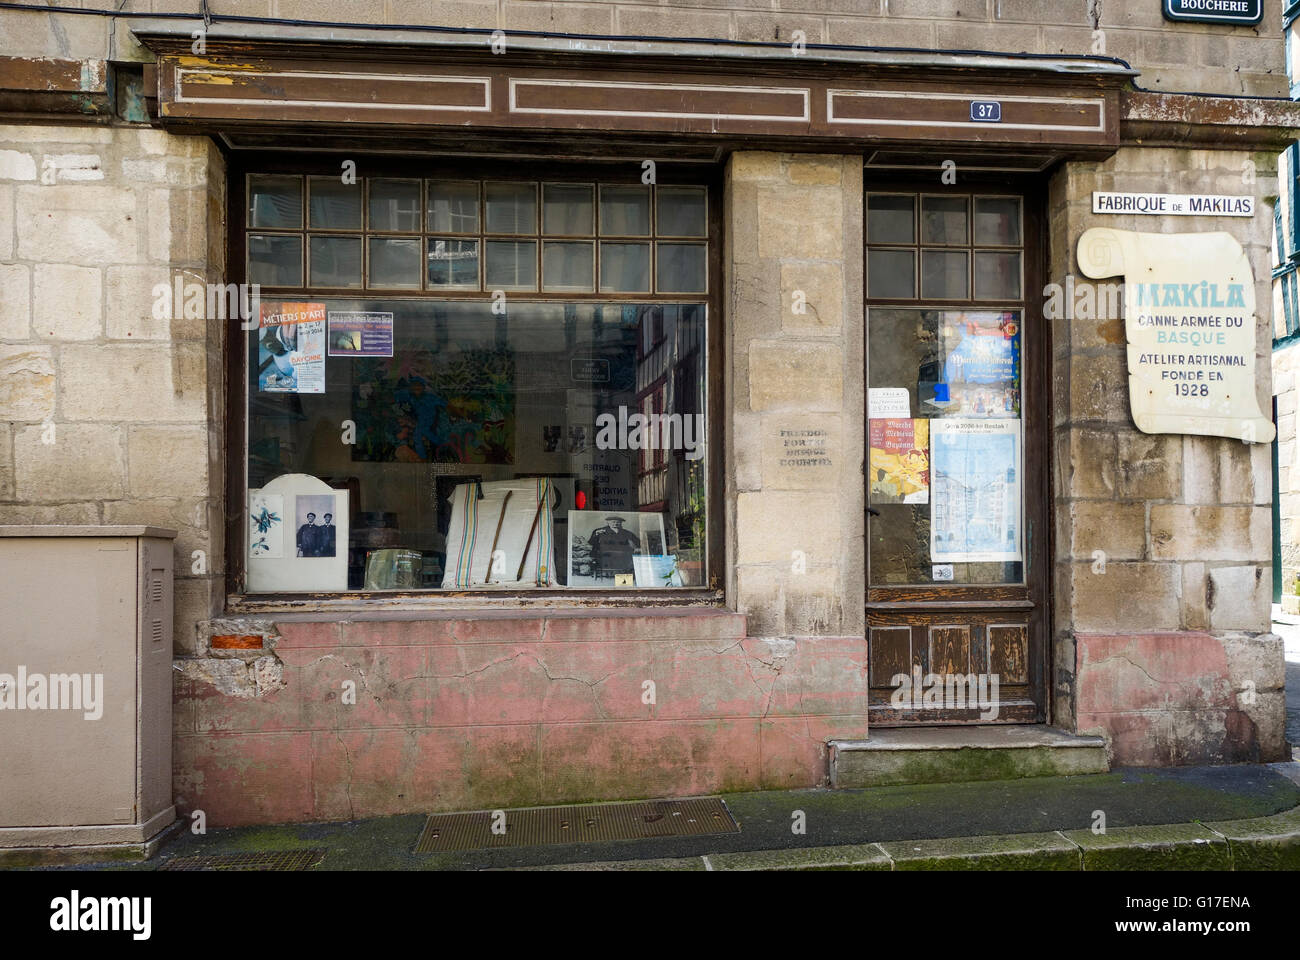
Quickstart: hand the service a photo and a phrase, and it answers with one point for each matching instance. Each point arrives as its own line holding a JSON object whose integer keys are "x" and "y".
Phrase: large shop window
{"x": 464, "y": 384}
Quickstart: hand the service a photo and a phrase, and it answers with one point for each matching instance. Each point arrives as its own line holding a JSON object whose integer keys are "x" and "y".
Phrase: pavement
{"x": 1187, "y": 818}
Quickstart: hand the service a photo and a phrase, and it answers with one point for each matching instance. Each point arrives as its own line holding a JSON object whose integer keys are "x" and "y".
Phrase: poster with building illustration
{"x": 981, "y": 364}
{"x": 975, "y": 496}
{"x": 291, "y": 348}
{"x": 900, "y": 461}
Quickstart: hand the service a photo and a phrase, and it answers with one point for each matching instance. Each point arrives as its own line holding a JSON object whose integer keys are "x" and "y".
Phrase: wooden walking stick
{"x": 500, "y": 520}
{"x": 531, "y": 530}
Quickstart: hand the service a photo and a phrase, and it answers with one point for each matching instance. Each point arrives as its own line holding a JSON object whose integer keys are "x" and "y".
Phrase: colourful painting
{"x": 453, "y": 406}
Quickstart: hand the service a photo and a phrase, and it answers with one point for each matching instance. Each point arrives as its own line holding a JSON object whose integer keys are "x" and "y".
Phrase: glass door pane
{"x": 946, "y": 439}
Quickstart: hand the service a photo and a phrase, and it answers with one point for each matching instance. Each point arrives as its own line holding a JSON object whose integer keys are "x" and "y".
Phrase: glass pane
{"x": 891, "y": 274}
{"x": 997, "y": 220}
{"x": 511, "y": 207}
{"x": 997, "y": 275}
{"x": 454, "y": 406}
{"x": 624, "y": 210}
{"x": 275, "y": 202}
{"x": 511, "y": 265}
{"x": 683, "y": 268}
{"x": 682, "y": 212}
{"x": 569, "y": 209}
{"x": 453, "y": 263}
{"x": 625, "y": 267}
{"x": 453, "y": 206}
{"x": 335, "y": 261}
{"x": 568, "y": 266}
{"x": 334, "y": 205}
{"x": 946, "y": 478}
{"x": 945, "y": 274}
{"x": 891, "y": 218}
{"x": 943, "y": 220}
{"x": 275, "y": 261}
{"x": 395, "y": 262}
{"x": 395, "y": 206}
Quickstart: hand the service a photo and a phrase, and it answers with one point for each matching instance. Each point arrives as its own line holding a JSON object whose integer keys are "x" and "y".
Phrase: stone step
{"x": 956, "y": 754}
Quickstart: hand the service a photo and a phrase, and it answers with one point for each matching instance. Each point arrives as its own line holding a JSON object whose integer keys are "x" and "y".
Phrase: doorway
{"x": 958, "y": 484}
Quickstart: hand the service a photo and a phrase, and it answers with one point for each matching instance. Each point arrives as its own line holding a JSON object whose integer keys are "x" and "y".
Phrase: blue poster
{"x": 981, "y": 364}
{"x": 974, "y": 491}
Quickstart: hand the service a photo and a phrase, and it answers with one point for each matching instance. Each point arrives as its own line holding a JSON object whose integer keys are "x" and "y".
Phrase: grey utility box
{"x": 85, "y": 690}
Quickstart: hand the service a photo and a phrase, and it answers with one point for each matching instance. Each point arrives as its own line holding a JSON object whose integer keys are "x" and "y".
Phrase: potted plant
{"x": 690, "y": 530}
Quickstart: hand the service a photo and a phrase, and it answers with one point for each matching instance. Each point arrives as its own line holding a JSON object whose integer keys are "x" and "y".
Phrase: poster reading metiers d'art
{"x": 291, "y": 348}
{"x": 1189, "y": 316}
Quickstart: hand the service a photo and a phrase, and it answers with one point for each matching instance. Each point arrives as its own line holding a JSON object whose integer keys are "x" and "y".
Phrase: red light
{"x": 581, "y": 499}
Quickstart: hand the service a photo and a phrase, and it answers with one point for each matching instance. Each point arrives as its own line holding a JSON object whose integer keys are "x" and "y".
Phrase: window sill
{"x": 406, "y": 605}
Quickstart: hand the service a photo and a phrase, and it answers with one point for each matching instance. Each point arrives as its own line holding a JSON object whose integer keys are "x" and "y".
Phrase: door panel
{"x": 957, "y": 476}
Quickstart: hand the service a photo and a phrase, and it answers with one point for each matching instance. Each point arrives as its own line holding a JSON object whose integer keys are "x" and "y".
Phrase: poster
{"x": 317, "y": 534}
{"x": 975, "y": 480}
{"x": 265, "y": 525}
{"x": 1190, "y": 321}
{"x": 291, "y": 348}
{"x": 360, "y": 334}
{"x": 604, "y": 545}
{"x": 888, "y": 403}
{"x": 981, "y": 364}
{"x": 425, "y": 406}
{"x": 900, "y": 461}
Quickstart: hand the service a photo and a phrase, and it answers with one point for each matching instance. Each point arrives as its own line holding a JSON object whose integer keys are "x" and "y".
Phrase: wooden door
{"x": 957, "y": 478}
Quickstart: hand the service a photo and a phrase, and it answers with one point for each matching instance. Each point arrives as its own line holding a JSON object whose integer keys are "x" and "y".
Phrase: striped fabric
{"x": 475, "y": 513}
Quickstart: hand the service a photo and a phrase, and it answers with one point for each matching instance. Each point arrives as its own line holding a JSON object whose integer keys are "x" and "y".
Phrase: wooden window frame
{"x": 245, "y": 163}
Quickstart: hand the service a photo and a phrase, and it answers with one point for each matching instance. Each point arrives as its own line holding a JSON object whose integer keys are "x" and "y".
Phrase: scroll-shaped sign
{"x": 1189, "y": 314}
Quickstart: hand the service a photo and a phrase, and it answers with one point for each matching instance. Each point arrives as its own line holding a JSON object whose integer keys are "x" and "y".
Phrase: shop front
{"x": 601, "y": 419}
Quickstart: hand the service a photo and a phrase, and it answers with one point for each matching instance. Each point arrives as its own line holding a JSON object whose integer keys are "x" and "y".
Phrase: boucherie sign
{"x": 1215, "y": 11}
{"x": 1189, "y": 318}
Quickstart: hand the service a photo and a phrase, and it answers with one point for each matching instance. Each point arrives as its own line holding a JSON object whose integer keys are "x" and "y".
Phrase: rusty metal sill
{"x": 404, "y": 605}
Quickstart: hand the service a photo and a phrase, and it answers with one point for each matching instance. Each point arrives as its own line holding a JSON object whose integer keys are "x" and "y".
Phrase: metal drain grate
{"x": 535, "y": 826}
{"x": 279, "y": 860}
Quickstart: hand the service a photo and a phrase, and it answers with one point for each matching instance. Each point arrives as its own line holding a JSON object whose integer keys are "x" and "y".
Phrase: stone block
{"x": 1099, "y": 388}
{"x": 1108, "y": 601}
{"x": 6, "y": 222}
{"x": 130, "y": 303}
{"x": 85, "y": 462}
{"x": 794, "y": 375}
{"x": 1091, "y": 468}
{"x": 548, "y": 17}
{"x": 801, "y": 452}
{"x": 812, "y": 297}
{"x": 800, "y": 223}
{"x": 1185, "y": 532}
{"x": 27, "y": 383}
{"x": 1118, "y": 530}
{"x": 770, "y": 526}
{"x": 67, "y": 302}
{"x": 77, "y": 223}
{"x": 673, "y": 22}
{"x": 6, "y": 461}
{"x": 169, "y": 382}
{"x": 1239, "y": 598}
{"x": 17, "y": 165}
{"x": 1218, "y": 470}
{"x": 1149, "y": 466}
{"x": 15, "y": 301}
{"x": 168, "y": 461}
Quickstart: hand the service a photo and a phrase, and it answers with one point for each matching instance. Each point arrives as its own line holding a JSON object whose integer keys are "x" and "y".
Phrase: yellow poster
{"x": 900, "y": 461}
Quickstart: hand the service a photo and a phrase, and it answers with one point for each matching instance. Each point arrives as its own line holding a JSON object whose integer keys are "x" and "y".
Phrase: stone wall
{"x": 1163, "y": 645}
{"x": 110, "y": 415}
{"x": 795, "y": 554}
{"x": 1181, "y": 57}
{"x": 316, "y": 718}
